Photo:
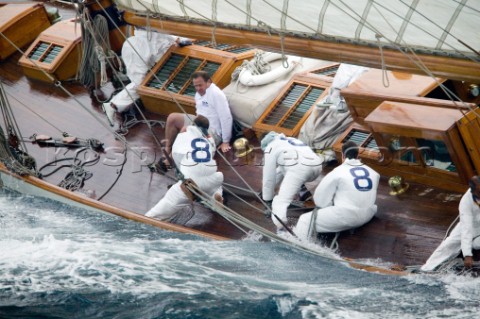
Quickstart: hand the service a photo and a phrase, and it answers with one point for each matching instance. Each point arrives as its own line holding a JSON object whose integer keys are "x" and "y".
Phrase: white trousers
{"x": 449, "y": 248}
{"x": 173, "y": 201}
{"x": 291, "y": 185}
{"x": 334, "y": 219}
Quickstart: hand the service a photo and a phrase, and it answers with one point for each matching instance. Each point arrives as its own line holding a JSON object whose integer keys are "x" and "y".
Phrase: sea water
{"x": 57, "y": 261}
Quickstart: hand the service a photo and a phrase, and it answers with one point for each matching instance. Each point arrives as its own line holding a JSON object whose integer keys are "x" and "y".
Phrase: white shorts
{"x": 188, "y": 120}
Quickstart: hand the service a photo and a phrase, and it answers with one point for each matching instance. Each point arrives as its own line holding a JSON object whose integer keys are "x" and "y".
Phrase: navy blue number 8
{"x": 204, "y": 146}
{"x": 357, "y": 178}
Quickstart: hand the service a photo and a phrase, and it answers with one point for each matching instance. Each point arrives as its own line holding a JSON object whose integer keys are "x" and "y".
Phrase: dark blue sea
{"x": 57, "y": 261}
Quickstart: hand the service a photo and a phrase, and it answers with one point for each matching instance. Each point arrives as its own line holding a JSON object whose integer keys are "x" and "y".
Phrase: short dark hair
{"x": 202, "y": 122}
{"x": 201, "y": 74}
{"x": 474, "y": 182}
{"x": 350, "y": 150}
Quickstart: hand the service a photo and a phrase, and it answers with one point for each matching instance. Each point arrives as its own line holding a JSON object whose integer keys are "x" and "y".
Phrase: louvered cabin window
{"x": 328, "y": 71}
{"x": 45, "y": 52}
{"x": 302, "y": 108}
{"x": 175, "y": 75}
{"x": 284, "y": 105}
{"x": 361, "y": 138}
{"x": 289, "y": 111}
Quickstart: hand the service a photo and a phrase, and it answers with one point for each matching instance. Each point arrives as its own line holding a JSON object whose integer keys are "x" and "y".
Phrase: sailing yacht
{"x": 400, "y": 78}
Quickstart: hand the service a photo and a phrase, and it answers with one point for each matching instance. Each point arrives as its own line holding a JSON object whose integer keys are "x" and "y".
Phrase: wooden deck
{"x": 405, "y": 230}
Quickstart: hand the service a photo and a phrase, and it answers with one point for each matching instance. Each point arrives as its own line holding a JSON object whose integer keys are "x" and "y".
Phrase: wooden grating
{"x": 170, "y": 80}
{"x": 225, "y": 47}
{"x": 287, "y": 113}
{"x": 363, "y": 137}
{"x": 175, "y": 74}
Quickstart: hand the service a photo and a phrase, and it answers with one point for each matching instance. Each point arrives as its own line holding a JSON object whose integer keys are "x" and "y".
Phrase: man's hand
{"x": 468, "y": 262}
{"x": 225, "y": 147}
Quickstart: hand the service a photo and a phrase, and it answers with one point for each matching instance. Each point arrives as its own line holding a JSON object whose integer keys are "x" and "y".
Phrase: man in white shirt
{"x": 290, "y": 162}
{"x": 465, "y": 235}
{"x": 196, "y": 141}
{"x": 345, "y": 198}
{"x": 211, "y": 102}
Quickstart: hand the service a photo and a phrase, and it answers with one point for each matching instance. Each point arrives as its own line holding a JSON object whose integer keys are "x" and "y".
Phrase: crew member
{"x": 345, "y": 198}
{"x": 465, "y": 235}
{"x": 139, "y": 53}
{"x": 290, "y": 160}
{"x": 196, "y": 141}
{"x": 211, "y": 102}
{"x": 205, "y": 176}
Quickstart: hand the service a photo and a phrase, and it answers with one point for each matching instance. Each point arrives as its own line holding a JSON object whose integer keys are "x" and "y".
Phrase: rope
{"x": 9, "y": 117}
{"x": 385, "y": 80}
{"x": 312, "y": 234}
{"x": 36, "y": 113}
{"x": 183, "y": 110}
{"x": 417, "y": 61}
{"x": 61, "y": 87}
{"x": 75, "y": 179}
{"x": 93, "y": 52}
{"x": 119, "y": 173}
{"x": 419, "y": 27}
{"x": 450, "y": 227}
{"x": 245, "y": 225}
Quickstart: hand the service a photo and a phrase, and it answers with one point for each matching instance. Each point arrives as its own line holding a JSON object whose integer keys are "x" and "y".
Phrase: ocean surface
{"x": 57, "y": 261}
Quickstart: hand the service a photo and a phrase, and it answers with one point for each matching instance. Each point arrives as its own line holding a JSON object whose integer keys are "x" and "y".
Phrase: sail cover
{"x": 432, "y": 26}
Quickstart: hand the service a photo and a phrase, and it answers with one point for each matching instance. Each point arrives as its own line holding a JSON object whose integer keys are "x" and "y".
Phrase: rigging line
{"x": 289, "y": 16}
{"x": 37, "y": 114}
{"x": 11, "y": 116}
{"x": 451, "y": 95}
{"x": 230, "y": 214}
{"x": 422, "y": 29}
{"x": 92, "y": 32}
{"x": 418, "y": 63}
{"x": 119, "y": 173}
{"x": 61, "y": 87}
{"x": 185, "y": 112}
{"x": 182, "y": 3}
{"x": 321, "y": 16}
{"x": 242, "y": 200}
{"x": 405, "y": 22}
{"x": 469, "y": 7}
{"x": 366, "y": 11}
{"x": 150, "y": 72}
{"x": 450, "y": 24}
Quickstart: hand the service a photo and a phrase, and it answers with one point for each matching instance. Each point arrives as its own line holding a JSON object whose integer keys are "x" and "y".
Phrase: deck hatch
{"x": 288, "y": 112}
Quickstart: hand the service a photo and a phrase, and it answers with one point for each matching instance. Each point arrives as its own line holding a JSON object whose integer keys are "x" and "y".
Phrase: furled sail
{"x": 440, "y": 28}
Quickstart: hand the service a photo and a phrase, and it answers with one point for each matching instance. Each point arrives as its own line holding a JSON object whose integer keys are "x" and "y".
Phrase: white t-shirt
{"x": 214, "y": 106}
{"x": 284, "y": 154}
{"x": 351, "y": 185}
{"x": 194, "y": 143}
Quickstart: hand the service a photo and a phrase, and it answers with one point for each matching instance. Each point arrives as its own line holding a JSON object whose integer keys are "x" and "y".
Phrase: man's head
{"x": 201, "y": 81}
{"x": 474, "y": 184}
{"x": 202, "y": 123}
{"x": 350, "y": 150}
